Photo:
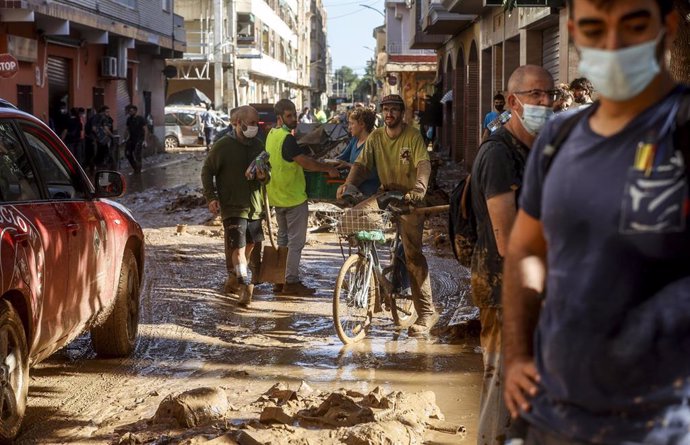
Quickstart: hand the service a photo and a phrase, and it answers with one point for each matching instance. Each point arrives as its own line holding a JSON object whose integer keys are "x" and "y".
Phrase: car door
{"x": 82, "y": 224}
{"x": 33, "y": 243}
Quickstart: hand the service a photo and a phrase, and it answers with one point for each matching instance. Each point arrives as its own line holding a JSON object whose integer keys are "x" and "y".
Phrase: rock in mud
{"x": 383, "y": 433}
{"x": 196, "y": 407}
{"x": 276, "y": 414}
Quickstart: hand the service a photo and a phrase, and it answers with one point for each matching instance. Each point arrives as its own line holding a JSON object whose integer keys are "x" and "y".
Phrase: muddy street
{"x": 192, "y": 335}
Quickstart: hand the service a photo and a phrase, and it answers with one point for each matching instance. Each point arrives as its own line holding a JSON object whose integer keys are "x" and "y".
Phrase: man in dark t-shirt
{"x": 496, "y": 183}
{"x": 597, "y": 279}
{"x": 137, "y": 131}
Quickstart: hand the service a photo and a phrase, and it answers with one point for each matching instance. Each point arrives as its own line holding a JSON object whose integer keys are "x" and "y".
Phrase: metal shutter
{"x": 550, "y": 53}
{"x": 123, "y": 100}
{"x": 472, "y": 111}
{"x": 458, "y": 104}
{"x": 58, "y": 80}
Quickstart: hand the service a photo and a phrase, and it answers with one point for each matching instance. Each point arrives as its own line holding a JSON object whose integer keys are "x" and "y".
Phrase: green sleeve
{"x": 366, "y": 157}
{"x": 208, "y": 173}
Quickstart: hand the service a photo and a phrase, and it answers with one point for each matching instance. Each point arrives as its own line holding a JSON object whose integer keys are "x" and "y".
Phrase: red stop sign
{"x": 8, "y": 65}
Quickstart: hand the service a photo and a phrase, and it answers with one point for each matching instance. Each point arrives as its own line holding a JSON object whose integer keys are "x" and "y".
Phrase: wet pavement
{"x": 191, "y": 334}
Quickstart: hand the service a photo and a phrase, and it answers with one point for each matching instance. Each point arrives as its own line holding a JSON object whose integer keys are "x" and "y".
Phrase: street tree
{"x": 345, "y": 81}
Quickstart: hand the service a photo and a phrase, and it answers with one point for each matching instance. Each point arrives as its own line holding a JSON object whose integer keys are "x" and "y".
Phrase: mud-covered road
{"x": 192, "y": 335}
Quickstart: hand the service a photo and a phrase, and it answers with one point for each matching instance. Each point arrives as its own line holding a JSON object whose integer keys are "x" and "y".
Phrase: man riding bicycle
{"x": 398, "y": 154}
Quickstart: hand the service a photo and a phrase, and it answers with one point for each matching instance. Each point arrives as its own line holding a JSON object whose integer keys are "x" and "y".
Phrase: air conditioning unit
{"x": 109, "y": 67}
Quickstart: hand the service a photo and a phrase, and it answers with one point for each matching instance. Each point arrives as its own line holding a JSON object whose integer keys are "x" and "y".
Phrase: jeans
{"x": 133, "y": 153}
{"x": 292, "y": 232}
{"x": 494, "y": 418}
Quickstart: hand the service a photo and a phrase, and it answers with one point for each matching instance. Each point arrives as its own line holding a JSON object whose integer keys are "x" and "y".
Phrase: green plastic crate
{"x": 321, "y": 187}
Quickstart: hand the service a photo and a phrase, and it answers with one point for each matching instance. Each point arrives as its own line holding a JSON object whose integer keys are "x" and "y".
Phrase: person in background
{"x": 208, "y": 120}
{"x": 81, "y": 151}
{"x": 304, "y": 116}
{"x": 71, "y": 134}
{"x": 499, "y": 105}
{"x": 102, "y": 127}
{"x": 321, "y": 116}
{"x": 361, "y": 124}
{"x": 287, "y": 192}
{"x": 137, "y": 134}
{"x": 564, "y": 99}
{"x": 582, "y": 90}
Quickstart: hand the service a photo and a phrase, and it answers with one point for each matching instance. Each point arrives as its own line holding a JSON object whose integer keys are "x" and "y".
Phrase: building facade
{"x": 319, "y": 56}
{"x": 479, "y": 46}
{"x": 90, "y": 53}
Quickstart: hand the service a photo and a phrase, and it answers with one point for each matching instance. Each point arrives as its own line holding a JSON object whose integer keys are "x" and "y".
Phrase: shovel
{"x": 274, "y": 259}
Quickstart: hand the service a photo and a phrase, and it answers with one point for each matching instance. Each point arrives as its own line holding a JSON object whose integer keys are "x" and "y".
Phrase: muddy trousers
{"x": 133, "y": 153}
{"x": 411, "y": 231}
{"x": 494, "y": 418}
{"x": 292, "y": 232}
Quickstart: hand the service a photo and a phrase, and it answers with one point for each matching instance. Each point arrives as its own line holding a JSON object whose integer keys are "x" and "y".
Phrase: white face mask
{"x": 534, "y": 117}
{"x": 621, "y": 74}
{"x": 250, "y": 131}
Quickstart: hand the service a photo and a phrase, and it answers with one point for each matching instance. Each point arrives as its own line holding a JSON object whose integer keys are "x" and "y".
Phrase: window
{"x": 17, "y": 179}
{"x": 165, "y": 4}
{"x": 58, "y": 178}
{"x": 265, "y": 40}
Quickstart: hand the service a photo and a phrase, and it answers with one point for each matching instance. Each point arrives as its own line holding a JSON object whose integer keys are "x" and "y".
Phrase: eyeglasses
{"x": 538, "y": 94}
{"x": 392, "y": 110}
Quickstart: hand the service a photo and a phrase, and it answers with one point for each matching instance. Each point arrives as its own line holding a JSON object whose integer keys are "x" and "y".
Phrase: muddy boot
{"x": 232, "y": 285}
{"x": 255, "y": 263}
{"x": 423, "y": 324}
{"x": 278, "y": 288}
{"x": 246, "y": 292}
{"x": 298, "y": 289}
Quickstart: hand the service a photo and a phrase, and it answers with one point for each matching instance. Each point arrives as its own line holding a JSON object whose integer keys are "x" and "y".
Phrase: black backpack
{"x": 462, "y": 224}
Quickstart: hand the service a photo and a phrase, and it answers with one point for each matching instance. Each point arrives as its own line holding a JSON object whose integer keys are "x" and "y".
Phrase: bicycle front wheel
{"x": 402, "y": 310}
{"x": 353, "y": 299}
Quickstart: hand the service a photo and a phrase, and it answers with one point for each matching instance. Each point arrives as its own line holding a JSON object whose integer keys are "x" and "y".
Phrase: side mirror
{"x": 109, "y": 184}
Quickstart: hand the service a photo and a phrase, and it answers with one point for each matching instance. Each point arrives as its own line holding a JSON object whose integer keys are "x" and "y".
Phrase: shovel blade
{"x": 273, "y": 265}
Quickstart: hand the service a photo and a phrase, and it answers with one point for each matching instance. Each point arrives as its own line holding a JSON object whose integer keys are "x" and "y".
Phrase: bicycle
{"x": 364, "y": 285}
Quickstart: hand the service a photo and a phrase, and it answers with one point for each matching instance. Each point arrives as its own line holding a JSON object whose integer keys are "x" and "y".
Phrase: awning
{"x": 448, "y": 97}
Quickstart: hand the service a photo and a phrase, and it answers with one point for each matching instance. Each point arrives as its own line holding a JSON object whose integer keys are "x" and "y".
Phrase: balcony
{"x": 439, "y": 21}
{"x": 472, "y": 7}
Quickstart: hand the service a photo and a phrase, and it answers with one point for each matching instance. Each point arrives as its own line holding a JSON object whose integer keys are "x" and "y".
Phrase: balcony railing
{"x": 397, "y": 48}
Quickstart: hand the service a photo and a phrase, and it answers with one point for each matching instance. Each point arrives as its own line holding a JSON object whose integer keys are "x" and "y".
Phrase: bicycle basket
{"x": 359, "y": 220}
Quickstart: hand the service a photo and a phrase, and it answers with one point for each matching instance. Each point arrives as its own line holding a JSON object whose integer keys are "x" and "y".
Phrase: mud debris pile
{"x": 285, "y": 416}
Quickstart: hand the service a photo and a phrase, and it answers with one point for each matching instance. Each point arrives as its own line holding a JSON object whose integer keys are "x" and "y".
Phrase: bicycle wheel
{"x": 353, "y": 303}
{"x": 402, "y": 310}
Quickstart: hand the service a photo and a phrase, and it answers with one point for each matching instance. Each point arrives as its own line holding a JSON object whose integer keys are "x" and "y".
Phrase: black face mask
{"x": 500, "y": 108}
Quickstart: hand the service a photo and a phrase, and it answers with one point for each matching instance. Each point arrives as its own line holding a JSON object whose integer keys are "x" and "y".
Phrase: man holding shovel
{"x": 287, "y": 192}
{"x": 237, "y": 198}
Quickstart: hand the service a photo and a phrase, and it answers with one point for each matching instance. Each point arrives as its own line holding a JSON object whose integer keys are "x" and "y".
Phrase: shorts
{"x": 242, "y": 231}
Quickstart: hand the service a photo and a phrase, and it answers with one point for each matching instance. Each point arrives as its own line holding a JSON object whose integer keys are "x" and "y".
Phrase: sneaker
{"x": 246, "y": 292}
{"x": 232, "y": 286}
{"x": 278, "y": 288}
{"x": 423, "y": 324}
{"x": 298, "y": 289}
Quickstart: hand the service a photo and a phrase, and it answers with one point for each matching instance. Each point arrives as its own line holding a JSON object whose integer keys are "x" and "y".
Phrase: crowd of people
{"x": 581, "y": 268}
{"x": 90, "y": 137}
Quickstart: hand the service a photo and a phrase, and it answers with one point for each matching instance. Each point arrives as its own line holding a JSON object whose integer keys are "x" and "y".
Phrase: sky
{"x": 350, "y": 29}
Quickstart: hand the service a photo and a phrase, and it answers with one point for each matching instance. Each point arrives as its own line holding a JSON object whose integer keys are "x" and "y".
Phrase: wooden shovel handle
{"x": 267, "y": 213}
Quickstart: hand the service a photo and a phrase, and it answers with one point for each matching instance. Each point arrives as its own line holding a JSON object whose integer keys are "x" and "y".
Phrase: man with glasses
{"x": 496, "y": 183}
{"x": 398, "y": 154}
{"x": 597, "y": 277}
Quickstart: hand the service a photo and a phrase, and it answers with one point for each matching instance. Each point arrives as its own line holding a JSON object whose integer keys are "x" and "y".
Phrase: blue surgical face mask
{"x": 621, "y": 74}
{"x": 534, "y": 117}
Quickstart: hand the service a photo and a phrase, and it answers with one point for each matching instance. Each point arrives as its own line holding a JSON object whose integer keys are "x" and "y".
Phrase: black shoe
{"x": 298, "y": 289}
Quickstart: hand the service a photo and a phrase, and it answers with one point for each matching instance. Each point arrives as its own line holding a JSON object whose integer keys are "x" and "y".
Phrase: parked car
{"x": 183, "y": 126}
{"x": 267, "y": 118}
{"x": 70, "y": 259}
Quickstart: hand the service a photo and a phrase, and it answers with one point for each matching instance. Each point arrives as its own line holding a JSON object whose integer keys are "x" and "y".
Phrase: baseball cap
{"x": 393, "y": 99}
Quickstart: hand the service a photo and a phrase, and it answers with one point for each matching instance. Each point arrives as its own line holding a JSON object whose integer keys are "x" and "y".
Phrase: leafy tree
{"x": 345, "y": 81}
{"x": 367, "y": 84}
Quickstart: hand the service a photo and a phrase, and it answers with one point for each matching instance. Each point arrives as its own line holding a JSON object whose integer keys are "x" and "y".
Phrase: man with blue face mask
{"x": 237, "y": 198}
{"x": 495, "y": 187}
{"x": 596, "y": 290}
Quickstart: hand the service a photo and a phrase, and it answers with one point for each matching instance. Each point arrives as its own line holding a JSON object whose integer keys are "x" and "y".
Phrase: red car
{"x": 70, "y": 259}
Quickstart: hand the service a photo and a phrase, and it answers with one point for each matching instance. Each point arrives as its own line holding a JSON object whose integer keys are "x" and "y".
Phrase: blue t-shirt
{"x": 350, "y": 154}
{"x": 612, "y": 345}
{"x": 490, "y": 116}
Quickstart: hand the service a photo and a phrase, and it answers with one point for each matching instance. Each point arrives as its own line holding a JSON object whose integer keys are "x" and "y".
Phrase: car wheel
{"x": 14, "y": 372}
{"x": 171, "y": 142}
{"x": 117, "y": 335}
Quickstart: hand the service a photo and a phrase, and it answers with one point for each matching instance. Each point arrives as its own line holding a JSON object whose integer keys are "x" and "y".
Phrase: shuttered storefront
{"x": 58, "y": 74}
{"x": 123, "y": 100}
{"x": 550, "y": 53}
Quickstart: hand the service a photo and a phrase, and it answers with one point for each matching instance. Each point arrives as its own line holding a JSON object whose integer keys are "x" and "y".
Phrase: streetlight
{"x": 373, "y": 9}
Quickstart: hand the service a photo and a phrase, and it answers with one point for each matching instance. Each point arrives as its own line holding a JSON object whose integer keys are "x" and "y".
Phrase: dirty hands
{"x": 214, "y": 206}
{"x": 333, "y": 172}
{"x": 521, "y": 384}
{"x": 414, "y": 196}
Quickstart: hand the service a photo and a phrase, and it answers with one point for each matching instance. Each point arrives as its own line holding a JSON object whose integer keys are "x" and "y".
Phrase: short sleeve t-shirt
{"x": 612, "y": 344}
{"x": 395, "y": 160}
{"x": 498, "y": 169}
{"x": 291, "y": 149}
{"x": 490, "y": 116}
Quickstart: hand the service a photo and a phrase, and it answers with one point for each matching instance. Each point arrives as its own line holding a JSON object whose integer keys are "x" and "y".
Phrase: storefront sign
{"x": 25, "y": 50}
{"x": 8, "y": 65}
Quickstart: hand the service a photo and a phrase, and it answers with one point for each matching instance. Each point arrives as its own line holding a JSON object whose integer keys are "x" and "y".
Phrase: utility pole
{"x": 217, "y": 52}
{"x": 232, "y": 93}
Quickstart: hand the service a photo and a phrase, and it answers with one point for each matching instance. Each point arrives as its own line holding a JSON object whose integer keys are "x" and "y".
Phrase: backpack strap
{"x": 562, "y": 134}
{"x": 681, "y": 134}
